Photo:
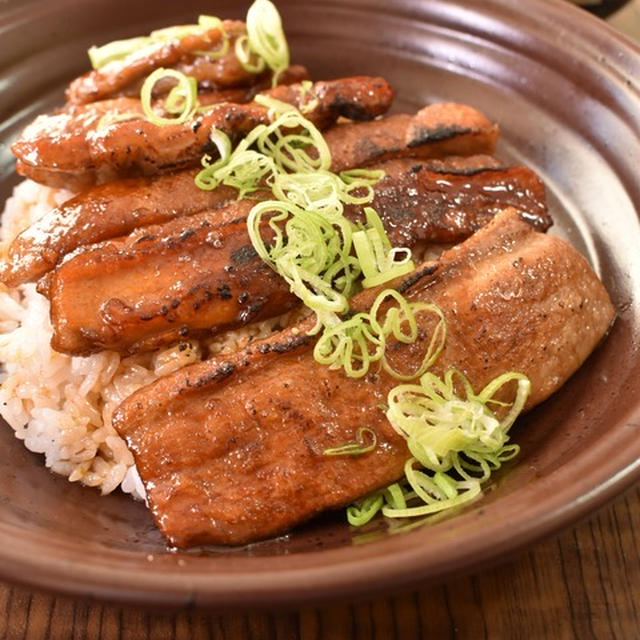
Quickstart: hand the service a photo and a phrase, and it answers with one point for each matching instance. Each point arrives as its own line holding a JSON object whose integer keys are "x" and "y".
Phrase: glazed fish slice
{"x": 120, "y": 206}
{"x": 196, "y": 276}
{"x": 219, "y": 79}
{"x": 121, "y": 77}
{"x": 231, "y": 449}
{"x": 436, "y": 131}
{"x": 71, "y": 149}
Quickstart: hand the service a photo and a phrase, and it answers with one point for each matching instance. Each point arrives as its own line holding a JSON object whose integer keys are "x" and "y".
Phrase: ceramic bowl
{"x": 563, "y": 87}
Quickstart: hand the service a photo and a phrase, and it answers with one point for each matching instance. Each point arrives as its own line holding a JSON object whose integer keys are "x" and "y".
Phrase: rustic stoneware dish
{"x": 563, "y": 87}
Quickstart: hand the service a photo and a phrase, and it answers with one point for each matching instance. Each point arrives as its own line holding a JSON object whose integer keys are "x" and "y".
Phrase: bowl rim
{"x": 365, "y": 570}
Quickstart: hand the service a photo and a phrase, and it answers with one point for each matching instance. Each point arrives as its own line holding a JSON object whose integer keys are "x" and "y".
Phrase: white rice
{"x": 62, "y": 406}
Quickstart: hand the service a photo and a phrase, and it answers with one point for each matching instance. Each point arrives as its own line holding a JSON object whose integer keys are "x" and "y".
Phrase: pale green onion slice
{"x": 365, "y": 441}
{"x": 289, "y": 144}
{"x": 302, "y": 149}
{"x": 445, "y": 431}
{"x": 276, "y": 107}
{"x": 363, "y": 511}
{"x": 211, "y": 22}
{"x": 358, "y": 342}
{"x": 181, "y": 101}
{"x": 120, "y": 49}
{"x": 266, "y": 36}
{"x": 352, "y": 345}
{"x": 456, "y": 443}
{"x": 377, "y": 257}
{"x": 310, "y": 252}
{"x": 116, "y": 50}
{"x": 434, "y": 493}
{"x": 250, "y": 62}
{"x": 308, "y": 100}
{"x": 359, "y": 184}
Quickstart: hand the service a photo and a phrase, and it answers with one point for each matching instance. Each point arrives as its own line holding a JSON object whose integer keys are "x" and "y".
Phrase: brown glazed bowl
{"x": 563, "y": 86}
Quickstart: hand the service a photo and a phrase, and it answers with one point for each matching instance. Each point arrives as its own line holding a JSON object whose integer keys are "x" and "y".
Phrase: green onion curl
{"x": 456, "y": 441}
{"x": 116, "y": 50}
{"x": 308, "y": 100}
{"x": 365, "y": 441}
{"x": 380, "y": 262}
{"x": 358, "y": 342}
{"x": 121, "y": 49}
{"x": 181, "y": 101}
{"x": 266, "y": 37}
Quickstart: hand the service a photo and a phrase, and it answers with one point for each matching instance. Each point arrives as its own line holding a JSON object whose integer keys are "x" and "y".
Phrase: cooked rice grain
{"x": 62, "y": 406}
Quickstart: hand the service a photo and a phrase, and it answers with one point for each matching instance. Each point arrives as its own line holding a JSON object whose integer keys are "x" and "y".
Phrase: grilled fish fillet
{"x": 231, "y": 449}
{"x": 196, "y": 276}
{"x": 122, "y": 76}
{"x": 120, "y": 206}
{"x": 72, "y": 149}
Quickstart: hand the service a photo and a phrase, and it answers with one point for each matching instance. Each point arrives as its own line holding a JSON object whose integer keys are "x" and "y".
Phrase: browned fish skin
{"x": 231, "y": 450}
{"x": 67, "y": 149}
{"x": 436, "y": 131}
{"x": 103, "y": 212}
{"x": 447, "y": 201}
{"x": 163, "y": 284}
{"x": 116, "y": 77}
{"x": 294, "y": 74}
{"x": 33, "y": 254}
{"x": 136, "y": 278}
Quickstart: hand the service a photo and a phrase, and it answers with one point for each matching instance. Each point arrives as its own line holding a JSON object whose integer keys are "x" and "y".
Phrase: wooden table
{"x": 583, "y": 584}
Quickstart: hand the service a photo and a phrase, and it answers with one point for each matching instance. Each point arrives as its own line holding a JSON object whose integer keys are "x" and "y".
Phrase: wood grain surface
{"x": 583, "y": 584}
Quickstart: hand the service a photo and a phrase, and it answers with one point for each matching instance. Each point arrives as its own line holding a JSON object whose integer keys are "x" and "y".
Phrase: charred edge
{"x": 224, "y": 292}
{"x": 452, "y": 170}
{"x": 427, "y": 270}
{"x": 290, "y": 343}
{"x": 243, "y": 255}
{"x": 147, "y": 237}
{"x": 424, "y": 134}
{"x": 219, "y": 373}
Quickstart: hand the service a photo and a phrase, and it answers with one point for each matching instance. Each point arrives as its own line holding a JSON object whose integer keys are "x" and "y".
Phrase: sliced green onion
{"x": 181, "y": 101}
{"x": 456, "y": 442}
{"x": 366, "y": 441}
{"x": 120, "y": 49}
{"x": 116, "y": 50}
{"x": 364, "y": 510}
{"x": 376, "y": 256}
{"x": 359, "y": 184}
{"x": 266, "y": 36}
{"x": 309, "y": 242}
{"x": 358, "y": 342}
{"x": 209, "y": 22}
{"x": 308, "y": 100}
{"x": 250, "y": 62}
{"x": 435, "y": 493}
{"x": 264, "y": 45}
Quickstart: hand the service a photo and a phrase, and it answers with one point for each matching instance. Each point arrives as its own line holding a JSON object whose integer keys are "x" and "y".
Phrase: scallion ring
{"x": 182, "y": 100}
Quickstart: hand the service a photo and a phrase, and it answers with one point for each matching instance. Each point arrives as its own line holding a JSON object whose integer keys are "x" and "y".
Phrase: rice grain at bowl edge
{"x": 61, "y": 406}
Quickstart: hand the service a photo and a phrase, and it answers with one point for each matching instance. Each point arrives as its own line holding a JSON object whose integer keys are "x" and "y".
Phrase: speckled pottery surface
{"x": 562, "y": 86}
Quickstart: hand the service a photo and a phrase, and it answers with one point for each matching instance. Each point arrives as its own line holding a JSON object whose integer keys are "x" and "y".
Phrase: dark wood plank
{"x": 584, "y": 584}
